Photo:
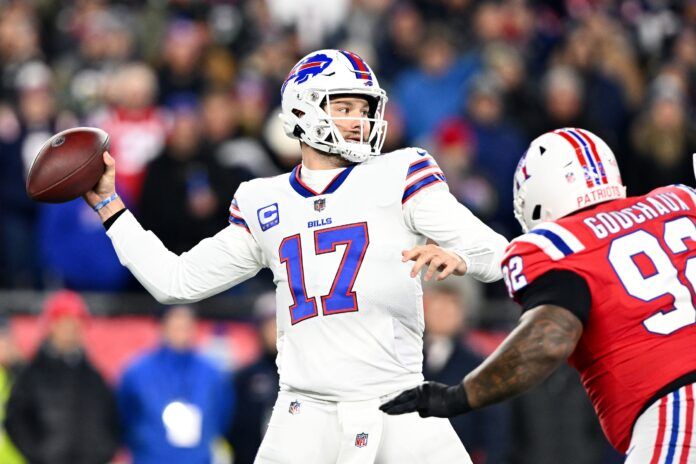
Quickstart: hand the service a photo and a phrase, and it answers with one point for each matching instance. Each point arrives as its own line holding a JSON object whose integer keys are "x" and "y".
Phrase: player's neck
{"x": 315, "y": 160}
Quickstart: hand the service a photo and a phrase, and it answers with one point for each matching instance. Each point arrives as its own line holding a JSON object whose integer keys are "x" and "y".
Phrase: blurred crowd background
{"x": 189, "y": 93}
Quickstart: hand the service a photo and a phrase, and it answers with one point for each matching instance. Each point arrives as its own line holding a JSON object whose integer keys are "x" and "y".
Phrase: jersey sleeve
{"x": 421, "y": 174}
{"x": 236, "y": 217}
{"x": 212, "y": 266}
{"x": 563, "y": 288}
{"x": 545, "y": 248}
{"x": 432, "y": 211}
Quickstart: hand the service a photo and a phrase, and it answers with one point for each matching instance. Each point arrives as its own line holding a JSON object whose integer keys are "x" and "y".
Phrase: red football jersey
{"x": 637, "y": 256}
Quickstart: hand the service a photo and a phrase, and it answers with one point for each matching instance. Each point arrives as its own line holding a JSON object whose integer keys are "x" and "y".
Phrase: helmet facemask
{"x": 323, "y": 133}
{"x": 370, "y": 143}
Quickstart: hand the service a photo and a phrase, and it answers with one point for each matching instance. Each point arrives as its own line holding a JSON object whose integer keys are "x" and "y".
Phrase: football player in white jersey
{"x": 337, "y": 233}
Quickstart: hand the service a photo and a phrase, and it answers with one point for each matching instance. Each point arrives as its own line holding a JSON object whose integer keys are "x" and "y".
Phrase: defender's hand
{"x": 437, "y": 259}
{"x": 430, "y": 399}
{"x": 104, "y": 189}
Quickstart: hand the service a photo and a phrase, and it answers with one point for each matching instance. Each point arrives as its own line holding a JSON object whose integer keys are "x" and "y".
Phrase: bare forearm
{"x": 543, "y": 340}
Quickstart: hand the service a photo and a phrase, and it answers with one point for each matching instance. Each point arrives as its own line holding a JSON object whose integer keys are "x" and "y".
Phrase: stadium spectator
{"x": 685, "y": 56}
{"x": 436, "y": 89}
{"x": 137, "y": 128}
{"x": 446, "y": 356}
{"x": 497, "y": 141}
{"x": 662, "y": 139}
{"x": 174, "y": 403}
{"x": 404, "y": 32}
{"x": 182, "y": 69}
{"x": 253, "y": 105}
{"x": 186, "y": 191}
{"x": 590, "y": 52}
{"x": 558, "y": 404}
{"x": 507, "y": 68}
{"x": 562, "y": 101}
{"x": 455, "y": 145}
{"x": 10, "y": 365}
{"x": 256, "y": 387}
{"x": 19, "y": 44}
{"x": 313, "y": 20}
{"x": 223, "y": 138}
{"x": 61, "y": 411}
{"x": 97, "y": 40}
{"x": 83, "y": 260}
{"x": 220, "y": 115}
{"x": 23, "y": 132}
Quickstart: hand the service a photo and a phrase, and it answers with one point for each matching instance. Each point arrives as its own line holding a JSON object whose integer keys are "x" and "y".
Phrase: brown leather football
{"x": 69, "y": 164}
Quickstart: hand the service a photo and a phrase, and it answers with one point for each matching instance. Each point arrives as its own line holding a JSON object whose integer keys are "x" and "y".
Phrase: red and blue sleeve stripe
{"x": 236, "y": 216}
{"x": 421, "y": 184}
{"x": 421, "y": 174}
{"x": 419, "y": 166}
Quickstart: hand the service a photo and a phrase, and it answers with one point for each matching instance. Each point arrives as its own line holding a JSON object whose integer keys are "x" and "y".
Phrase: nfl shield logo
{"x": 320, "y": 204}
{"x": 361, "y": 440}
{"x": 294, "y": 407}
{"x": 570, "y": 177}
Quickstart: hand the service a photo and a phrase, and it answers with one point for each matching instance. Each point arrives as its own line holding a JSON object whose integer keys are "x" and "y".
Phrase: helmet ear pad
{"x": 562, "y": 172}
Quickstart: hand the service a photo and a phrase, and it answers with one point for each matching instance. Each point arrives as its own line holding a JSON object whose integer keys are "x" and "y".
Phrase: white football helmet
{"x": 306, "y": 98}
{"x": 561, "y": 172}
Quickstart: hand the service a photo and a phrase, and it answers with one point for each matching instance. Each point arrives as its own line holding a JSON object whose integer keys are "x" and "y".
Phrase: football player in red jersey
{"x": 604, "y": 281}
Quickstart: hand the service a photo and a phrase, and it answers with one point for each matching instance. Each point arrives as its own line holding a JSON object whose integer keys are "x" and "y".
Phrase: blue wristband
{"x": 103, "y": 203}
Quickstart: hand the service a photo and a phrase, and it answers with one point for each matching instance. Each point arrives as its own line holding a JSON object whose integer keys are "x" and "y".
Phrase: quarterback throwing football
{"x": 337, "y": 233}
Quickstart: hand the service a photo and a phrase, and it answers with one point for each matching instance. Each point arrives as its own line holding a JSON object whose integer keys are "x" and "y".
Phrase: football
{"x": 69, "y": 164}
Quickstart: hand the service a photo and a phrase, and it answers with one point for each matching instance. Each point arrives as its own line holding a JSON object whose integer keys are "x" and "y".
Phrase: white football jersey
{"x": 350, "y": 317}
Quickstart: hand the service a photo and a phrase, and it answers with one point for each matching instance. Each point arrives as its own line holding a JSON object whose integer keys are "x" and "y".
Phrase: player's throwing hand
{"x": 437, "y": 259}
{"x": 106, "y": 185}
{"x": 430, "y": 399}
{"x": 103, "y": 198}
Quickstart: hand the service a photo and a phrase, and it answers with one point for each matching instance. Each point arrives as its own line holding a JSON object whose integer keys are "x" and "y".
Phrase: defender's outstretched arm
{"x": 544, "y": 338}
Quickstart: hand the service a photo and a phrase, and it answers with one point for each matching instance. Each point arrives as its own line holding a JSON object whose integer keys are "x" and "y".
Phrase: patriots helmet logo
{"x": 306, "y": 69}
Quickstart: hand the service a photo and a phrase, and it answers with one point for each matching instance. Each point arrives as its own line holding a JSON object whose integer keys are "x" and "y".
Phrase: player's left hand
{"x": 430, "y": 399}
{"x": 437, "y": 259}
